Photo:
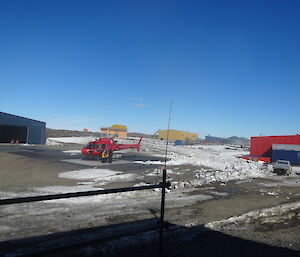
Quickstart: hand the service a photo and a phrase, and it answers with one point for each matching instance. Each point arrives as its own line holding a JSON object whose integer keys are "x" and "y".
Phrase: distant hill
{"x": 137, "y": 134}
{"x": 71, "y": 133}
{"x": 230, "y": 140}
{"x": 236, "y": 141}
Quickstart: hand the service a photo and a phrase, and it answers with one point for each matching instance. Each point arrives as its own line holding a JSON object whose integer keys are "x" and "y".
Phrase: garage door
{"x": 7, "y": 133}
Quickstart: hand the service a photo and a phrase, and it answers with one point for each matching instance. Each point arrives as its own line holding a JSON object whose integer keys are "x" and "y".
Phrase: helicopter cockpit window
{"x": 91, "y": 145}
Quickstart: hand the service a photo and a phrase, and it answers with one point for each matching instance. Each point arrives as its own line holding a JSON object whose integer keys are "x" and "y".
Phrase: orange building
{"x": 118, "y": 130}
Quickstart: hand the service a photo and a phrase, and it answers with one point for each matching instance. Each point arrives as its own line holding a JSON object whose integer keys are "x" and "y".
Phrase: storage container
{"x": 262, "y": 146}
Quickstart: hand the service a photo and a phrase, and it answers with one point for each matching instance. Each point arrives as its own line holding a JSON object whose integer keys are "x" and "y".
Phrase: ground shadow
{"x": 199, "y": 241}
{"x": 105, "y": 241}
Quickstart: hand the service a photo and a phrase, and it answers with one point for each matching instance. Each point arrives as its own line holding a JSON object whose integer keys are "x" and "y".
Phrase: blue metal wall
{"x": 36, "y": 130}
{"x": 178, "y": 142}
{"x": 292, "y": 156}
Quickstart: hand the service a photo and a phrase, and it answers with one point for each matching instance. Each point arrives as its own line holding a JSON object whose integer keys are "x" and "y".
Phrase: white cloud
{"x": 136, "y": 99}
{"x": 138, "y": 105}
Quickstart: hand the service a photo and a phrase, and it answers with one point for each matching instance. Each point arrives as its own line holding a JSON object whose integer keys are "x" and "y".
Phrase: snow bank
{"x": 274, "y": 215}
{"x": 215, "y": 157}
{"x": 229, "y": 173}
{"x": 74, "y": 140}
{"x": 217, "y": 162}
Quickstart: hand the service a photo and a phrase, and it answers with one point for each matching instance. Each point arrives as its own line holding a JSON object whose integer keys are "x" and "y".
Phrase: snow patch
{"x": 94, "y": 179}
{"x": 72, "y": 152}
{"x": 4, "y": 228}
{"x": 97, "y": 176}
{"x": 63, "y": 189}
{"x": 149, "y": 162}
{"x": 158, "y": 172}
{"x": 272, "y": 193}
{"x": 51, "y": 142}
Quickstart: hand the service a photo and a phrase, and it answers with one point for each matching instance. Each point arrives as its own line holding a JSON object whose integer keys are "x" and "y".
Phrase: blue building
{"x": 214, "y": 139}
{"x": 286, "y": 152}
{"x": 25, "y": 130}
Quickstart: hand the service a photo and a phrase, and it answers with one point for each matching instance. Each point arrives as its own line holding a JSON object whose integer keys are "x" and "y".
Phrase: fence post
{"x": 162, "y": 211}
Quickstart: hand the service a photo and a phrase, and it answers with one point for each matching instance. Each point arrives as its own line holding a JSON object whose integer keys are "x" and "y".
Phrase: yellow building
{"x": 177, "y": 135}
{"x": 118, "y": 130}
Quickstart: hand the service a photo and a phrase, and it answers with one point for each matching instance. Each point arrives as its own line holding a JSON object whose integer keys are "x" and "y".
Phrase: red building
{"x": 261, "y": 147}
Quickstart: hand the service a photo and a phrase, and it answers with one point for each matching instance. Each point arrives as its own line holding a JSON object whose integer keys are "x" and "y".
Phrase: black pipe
{"x": 162, "y": 224}
{"x": 77, "y": 194}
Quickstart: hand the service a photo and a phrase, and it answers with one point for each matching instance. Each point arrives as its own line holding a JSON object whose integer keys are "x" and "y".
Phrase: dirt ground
{"x": 24, "y": 167}
{"x": 188, "y": 209}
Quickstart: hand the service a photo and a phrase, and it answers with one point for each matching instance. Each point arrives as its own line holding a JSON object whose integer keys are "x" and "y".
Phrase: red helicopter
{"x": 103, "y": 148}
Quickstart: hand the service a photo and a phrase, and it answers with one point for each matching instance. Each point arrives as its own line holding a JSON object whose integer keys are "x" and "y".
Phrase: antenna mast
{"x": 166, "y": 152}
{"x": 163, "y": 191}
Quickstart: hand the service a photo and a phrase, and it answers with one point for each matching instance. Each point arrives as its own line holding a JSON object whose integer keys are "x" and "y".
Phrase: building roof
{"x": 297, "y": 135}
{"x": 174, "y": 130}
{"x": 20, "y": 117}
{"x": 115, "y": 129}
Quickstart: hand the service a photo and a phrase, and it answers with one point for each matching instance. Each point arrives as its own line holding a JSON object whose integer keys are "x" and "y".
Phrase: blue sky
{"x": 230, "y": 67}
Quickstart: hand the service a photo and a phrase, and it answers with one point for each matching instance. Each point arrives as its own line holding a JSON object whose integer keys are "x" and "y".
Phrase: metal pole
{"x": 162, "y": 211}
{"x": 163, "y": 191}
